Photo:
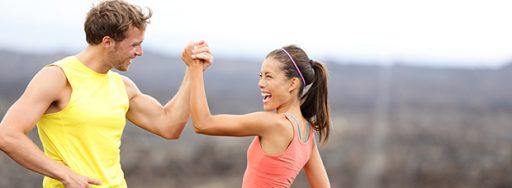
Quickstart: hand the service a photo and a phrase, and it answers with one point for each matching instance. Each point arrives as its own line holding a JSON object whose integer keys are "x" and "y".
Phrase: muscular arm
{"x": 20, "y": 119}
{"x": 166, "y": 121}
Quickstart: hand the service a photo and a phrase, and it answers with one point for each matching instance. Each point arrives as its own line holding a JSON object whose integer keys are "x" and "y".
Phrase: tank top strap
{"x": 291, "y": 119}
{"x": 297, "y": 123}
{"x": 64, "y": 65}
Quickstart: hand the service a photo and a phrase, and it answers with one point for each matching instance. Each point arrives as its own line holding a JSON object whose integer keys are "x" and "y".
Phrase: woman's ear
{"x": 294, "y": 84}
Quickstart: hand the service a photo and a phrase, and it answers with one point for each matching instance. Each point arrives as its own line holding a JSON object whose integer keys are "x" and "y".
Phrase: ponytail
{"x": 315, "y": 107}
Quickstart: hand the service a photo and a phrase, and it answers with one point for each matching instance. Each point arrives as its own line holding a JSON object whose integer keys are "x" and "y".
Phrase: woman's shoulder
{"x": 271, "y": 118}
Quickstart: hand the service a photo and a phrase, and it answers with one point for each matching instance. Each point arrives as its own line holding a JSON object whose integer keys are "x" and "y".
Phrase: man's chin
{"x": 123, "y": 68}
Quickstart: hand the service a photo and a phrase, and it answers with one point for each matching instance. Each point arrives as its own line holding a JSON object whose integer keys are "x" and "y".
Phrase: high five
{"x": 284, "y": 132}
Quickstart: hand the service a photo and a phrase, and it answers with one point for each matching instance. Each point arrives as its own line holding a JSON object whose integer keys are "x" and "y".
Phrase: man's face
{"x": 128, "y": 49}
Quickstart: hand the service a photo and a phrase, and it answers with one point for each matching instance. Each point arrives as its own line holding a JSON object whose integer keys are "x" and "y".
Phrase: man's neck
{"x": 94, "y": 58}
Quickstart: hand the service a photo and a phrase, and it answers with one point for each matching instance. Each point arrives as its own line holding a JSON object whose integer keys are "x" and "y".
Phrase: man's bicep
{"x": 145, "y": 112}
{"x": 42, "y": 90}
{"x": 143, "y": 108}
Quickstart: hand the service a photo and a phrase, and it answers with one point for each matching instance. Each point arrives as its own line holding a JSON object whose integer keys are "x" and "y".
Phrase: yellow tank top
{"x": 86, "y": 134}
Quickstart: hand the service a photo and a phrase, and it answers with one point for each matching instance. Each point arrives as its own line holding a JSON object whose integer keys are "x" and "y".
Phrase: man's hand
{"x": 197, "y": 52}
{"x": 186, "y": 55}
{"x": 74, "y": 180}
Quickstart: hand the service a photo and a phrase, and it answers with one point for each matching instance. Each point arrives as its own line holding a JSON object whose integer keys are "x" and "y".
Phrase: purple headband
{"x": 296, "y": 67}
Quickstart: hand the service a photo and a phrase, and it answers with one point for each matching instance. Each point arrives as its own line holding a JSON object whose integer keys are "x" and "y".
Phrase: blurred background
{"x": 419, "y": 90}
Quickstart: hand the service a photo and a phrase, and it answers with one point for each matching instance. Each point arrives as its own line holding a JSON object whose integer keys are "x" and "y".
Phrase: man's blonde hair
{"x": 113, "y": 18}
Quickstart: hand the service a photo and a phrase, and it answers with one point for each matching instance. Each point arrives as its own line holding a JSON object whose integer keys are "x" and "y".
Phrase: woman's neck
{"x": 292, "y": 108}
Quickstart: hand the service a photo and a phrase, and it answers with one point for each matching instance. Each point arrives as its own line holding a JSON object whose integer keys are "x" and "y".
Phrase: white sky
{"x": 427, "y": 32}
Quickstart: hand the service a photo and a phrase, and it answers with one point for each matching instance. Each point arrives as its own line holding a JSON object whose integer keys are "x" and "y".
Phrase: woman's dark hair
{"x": 314, "y": 105}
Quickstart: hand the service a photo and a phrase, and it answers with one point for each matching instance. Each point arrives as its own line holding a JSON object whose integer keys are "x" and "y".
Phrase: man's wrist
{"x": 63, "y": 174}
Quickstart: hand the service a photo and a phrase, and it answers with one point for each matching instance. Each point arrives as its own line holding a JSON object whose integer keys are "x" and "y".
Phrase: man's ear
{"x": 107, "y": 42}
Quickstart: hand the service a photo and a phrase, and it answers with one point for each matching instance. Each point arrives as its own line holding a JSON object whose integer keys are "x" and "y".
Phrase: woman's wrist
{"x": 194, "y": 66}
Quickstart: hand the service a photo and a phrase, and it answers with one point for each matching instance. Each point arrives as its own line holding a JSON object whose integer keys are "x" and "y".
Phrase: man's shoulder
{"x": 126, "y": 80}
{"x": 63, "y": 61}
{"x": 48, "y": 83}
{"x": 51, "y": 73}
{"x": 131, "y": 87}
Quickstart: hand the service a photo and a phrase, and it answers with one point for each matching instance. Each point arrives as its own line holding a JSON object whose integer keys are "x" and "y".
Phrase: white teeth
{"x": 266, "y": 96}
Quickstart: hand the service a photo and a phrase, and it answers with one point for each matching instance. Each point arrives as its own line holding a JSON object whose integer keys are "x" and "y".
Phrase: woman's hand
{"x": 197, "y": 54}
{"x": 201, "y": 51}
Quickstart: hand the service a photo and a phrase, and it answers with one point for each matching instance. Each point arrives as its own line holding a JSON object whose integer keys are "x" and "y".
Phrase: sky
{"x": 469, "y": 33}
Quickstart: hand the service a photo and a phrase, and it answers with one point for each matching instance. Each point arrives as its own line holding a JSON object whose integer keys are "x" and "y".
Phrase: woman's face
{"x": 273, "y": 84}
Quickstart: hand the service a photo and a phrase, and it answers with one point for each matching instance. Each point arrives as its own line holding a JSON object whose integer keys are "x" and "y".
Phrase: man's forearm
{"x": 177, "y": 110}
{"x": 22, "y": 150}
